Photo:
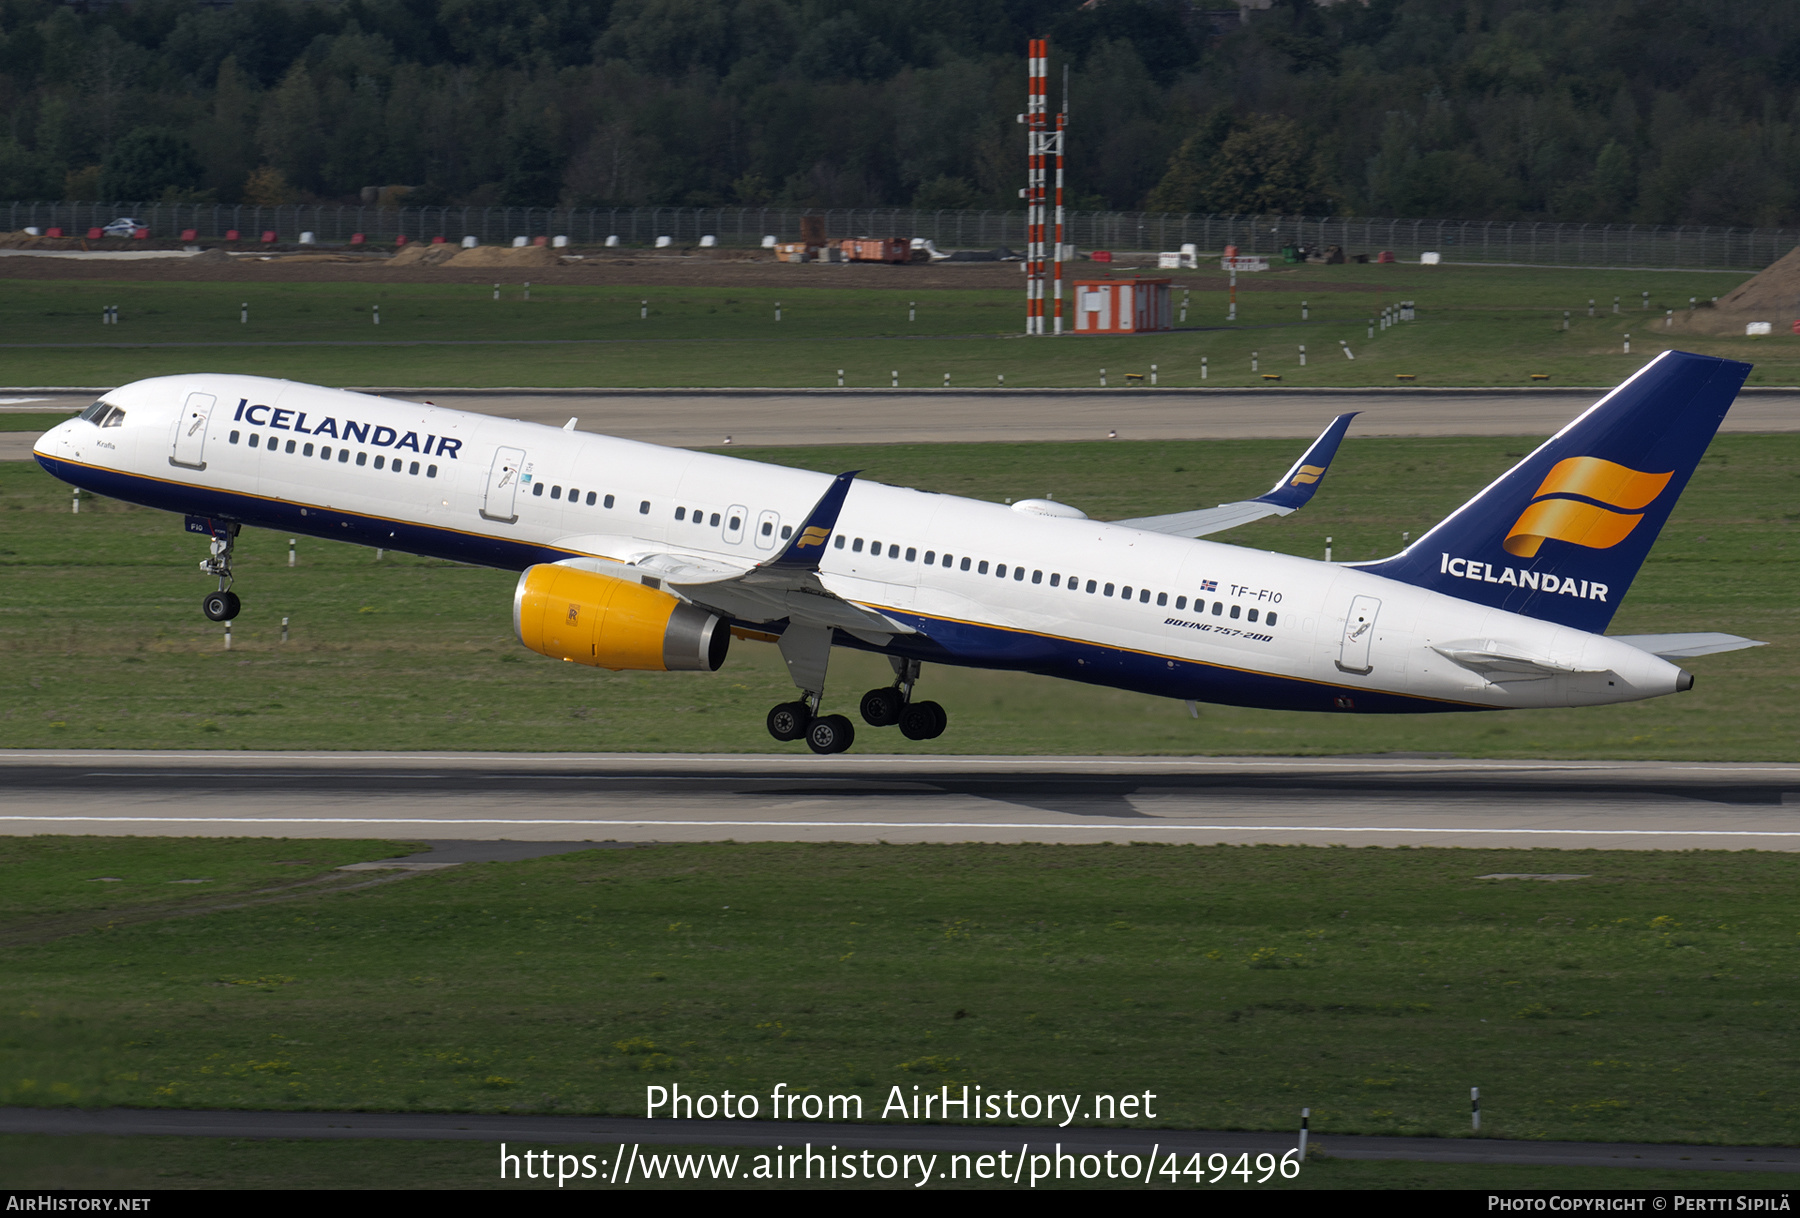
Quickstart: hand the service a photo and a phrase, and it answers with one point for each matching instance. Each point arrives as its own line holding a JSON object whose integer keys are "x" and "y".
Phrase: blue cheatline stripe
{"x": 939, "y": 641}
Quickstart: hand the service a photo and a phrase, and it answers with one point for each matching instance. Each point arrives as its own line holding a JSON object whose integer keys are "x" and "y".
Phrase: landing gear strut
{"x": 223, "y": 605}
{"x": 894, "y": 703}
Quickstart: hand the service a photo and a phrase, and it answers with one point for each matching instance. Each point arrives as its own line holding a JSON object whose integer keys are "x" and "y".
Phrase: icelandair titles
{"x": 1543, "y": 581}
{"x": 360, "y": 433}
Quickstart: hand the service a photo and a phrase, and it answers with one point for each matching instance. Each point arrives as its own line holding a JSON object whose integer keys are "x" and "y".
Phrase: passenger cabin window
{"x": 556, "y": 492}
{"x": 931, "y": 558}
{"x": 431, "y": 472}
{"x": 362, "y": 458}
{"x": 1143, "y": 596}
{"x": 289, "y": 447}
{"x": 1180, "y": 602}
{"x": 644, "y": 508}
{"x": 1055, "y": 579}
{"x": 787, "y": 531}
{"x": 414, "y": 469}
{"x": 537, "y": 489}
{"x": 1109, "y": 589}
{"x": 1090, "y": 587}
{"x": 1037, "y": 577}
{"x": 573, "y": 493}
{"x": 768, "y": 528}
{"x": 307, "y": 451}
{"x": 839, "y": 543}
{"x": 344, "y": 455}
{"x": 681, "y": 513}
{"x": 1235, "y": 610}
{"x": 1270, "y": 621}
{"x": 590, "y": 498}
{"x": 253, "y": 439}
{"x": 1252, "y": 615}
{"x": 1019, "y": 573}
{"x": 233, "y": 437}
{"x": 912, "y": 555}
{"x": 982, "y": 567}
{"x": 378, "y": 460}
{"x": 607, "y": 502}
{"x": 1218, "y": 608}
{"x": 1162, "y": 598}
{"x": 1000, "y": 571}
{"x": 715, "y": 515}
{"x": 965, "y": 565}
{"x": 857, "y": 547}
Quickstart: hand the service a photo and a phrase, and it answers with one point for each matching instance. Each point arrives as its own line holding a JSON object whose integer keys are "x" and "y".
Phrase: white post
{"x": 946, "y": 380}
{"x": 528, "y": 290}
{"x": 1475, "y": 1108}
{"x": 1102, "y": 378}
{"x": 1615, "y": 306}
{"x": 1628, "y": 344}
{"x": 1348, "y": 353}
{"x": 1305, "y": 1122}
{"x": 1184, "y": 304}
{"x": 291, "y": 551}
{"x": 1646, "y": 296}
{"x": 1153, "y": 374}
{"x": 284, "y": 623}
{"x": 1371, "y": 327}
{"x": 496, "y": 291}
{"x": 244, "y": 314}
{"x": 840, "y": 378}
{"x": 1002, "y": 380}
{"x": 1590, "y": 306}
{"x": 896, "y": 376}
{"x": 1253, "y": 363}
{"x": 377, "y": 313}
{"x": 1328, "y": 549}
{"x": 778, "y": 310}
{"x": 75, "y": 503}
{"x": 644, "y": 311}
{"x": 1202, "y": 367}
{"x": 912, "y": 310}
{"x": 377, "y": 553}
{"x": 227, "y": 636}
{"x": 1303, "y": 355}
{"x": 1303, "y": 311}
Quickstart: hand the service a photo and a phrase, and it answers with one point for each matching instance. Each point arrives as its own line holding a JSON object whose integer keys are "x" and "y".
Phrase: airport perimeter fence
{"x": 1496, "y": 241}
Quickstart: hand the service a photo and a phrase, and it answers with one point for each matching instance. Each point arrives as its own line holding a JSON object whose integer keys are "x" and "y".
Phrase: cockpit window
{"x": 104, "y": 414}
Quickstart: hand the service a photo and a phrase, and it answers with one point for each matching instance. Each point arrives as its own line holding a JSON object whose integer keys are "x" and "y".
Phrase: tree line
{"x": 1648, "y": 111}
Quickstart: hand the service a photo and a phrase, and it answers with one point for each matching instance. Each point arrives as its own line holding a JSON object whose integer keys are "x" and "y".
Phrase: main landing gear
{"x": 885, "y": 707}
{"x": 223, "y": 605}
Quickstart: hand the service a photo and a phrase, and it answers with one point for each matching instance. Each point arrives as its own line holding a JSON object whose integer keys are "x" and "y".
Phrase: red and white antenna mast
{"x": 1059, "y": 140}
{"x": 1037, "y": 142}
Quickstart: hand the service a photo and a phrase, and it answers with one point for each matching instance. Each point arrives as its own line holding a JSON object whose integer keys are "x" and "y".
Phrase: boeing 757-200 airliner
{"x": 634, "y": 556}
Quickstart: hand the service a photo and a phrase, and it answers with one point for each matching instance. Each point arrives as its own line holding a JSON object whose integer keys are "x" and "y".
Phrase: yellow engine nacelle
{"x": 587, "y": 618}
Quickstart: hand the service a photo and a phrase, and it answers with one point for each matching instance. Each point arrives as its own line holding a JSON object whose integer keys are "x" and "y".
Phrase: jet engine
{"x": 594, "y": 619}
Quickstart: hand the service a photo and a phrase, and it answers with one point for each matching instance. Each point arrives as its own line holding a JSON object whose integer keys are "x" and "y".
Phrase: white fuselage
{"x": 1166, "y": 615}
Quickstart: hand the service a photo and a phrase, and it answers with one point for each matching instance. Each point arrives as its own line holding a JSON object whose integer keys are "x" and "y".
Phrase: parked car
{"x": 124, "y": 226}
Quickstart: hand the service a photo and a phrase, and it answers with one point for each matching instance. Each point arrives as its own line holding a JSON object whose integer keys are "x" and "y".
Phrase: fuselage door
{"x": 190, "y": 434}
{"x": 766, "y": 525}
{"x": 1359, "y": 632}
{"x": 734, "y": 524}
{"x": 503, "y": 486}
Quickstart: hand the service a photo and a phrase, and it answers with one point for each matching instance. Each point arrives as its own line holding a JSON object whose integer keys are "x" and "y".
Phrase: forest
{"x": 1645, "y": 111}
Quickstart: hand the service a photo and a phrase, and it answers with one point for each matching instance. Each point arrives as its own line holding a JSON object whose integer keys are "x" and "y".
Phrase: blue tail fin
{"x": 1561, "y": 535}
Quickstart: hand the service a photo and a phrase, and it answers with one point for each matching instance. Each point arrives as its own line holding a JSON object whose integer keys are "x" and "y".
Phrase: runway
{"x": 689, "y": 418}
{"x": 690, "y": 798}
{"x": 523, "y": 1131}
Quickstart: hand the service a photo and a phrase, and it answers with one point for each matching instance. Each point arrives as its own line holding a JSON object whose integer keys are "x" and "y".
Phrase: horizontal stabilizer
{"x": 1496, "y": 663}
{"x": 1289, "y": 494}
{"x": 1684, "y": 646}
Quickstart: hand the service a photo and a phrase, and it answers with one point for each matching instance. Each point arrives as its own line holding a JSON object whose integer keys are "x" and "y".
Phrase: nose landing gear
{"x": 223, "y": 605}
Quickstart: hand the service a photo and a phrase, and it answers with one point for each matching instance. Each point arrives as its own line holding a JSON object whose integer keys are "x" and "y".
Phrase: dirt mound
{"x": 214, "y": 254}
{"x": 25, "y": 241}
{"x": 1773, "y": 296}
{"x": 501, "y": 255}
{"x": 424, "y": 255}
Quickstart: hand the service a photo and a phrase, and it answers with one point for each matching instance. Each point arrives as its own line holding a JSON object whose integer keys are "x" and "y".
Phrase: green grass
{"x": 1476, "y": 326}
{"x": 1652, "y": 1001}
{"x": 31, "y": 422}
{"x": 105, "y": 646}
{"x": 97, "y": 1162}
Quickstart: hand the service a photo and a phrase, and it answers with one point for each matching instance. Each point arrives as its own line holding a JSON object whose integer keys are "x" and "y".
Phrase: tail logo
{"x": 1308, "y": 474}
{"x": 812, "y": 535}
{"x": 1551, "y": 517}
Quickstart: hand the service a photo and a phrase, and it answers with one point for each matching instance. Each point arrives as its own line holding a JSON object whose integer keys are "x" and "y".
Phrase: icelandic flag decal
{"x": 1209, "y": 585}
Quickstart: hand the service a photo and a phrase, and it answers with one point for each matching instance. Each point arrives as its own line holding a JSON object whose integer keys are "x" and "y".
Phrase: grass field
{"x": 1653, "y": 1000}
{"x": 205, "y": 1163}
{"x": 105, "y": 645}
{"x": 1476, "y": 326}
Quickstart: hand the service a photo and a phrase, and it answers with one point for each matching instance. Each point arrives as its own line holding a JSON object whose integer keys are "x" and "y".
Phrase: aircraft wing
{"x": 1289, "y": 494}
{"x": 786, "y": 586}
